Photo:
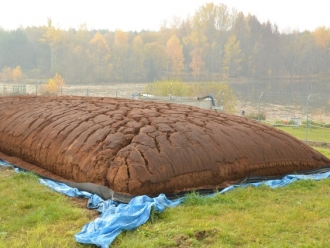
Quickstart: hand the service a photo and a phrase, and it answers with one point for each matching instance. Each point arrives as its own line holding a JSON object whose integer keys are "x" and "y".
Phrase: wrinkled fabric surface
{"x": 116, "y": 217}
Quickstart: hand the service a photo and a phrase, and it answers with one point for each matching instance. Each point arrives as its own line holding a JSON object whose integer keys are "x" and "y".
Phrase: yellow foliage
{"x": 232, "y": 57}
{"x": 11, "y": 74}
{"x": 6, "y": 74}
{"x": 52, "y": 35}
{"x": 175, "y": 53}
{"x": 121, "y": 38}
{"x": 137, "y": 43}
{"x": 196, "y": 61}
{"x": 322, "y": 37}
{"x": 17, "y": 73}
{"x": 59, "y": 81}
{"x": 99, "y": 41}
{"x": 53, "y": 86}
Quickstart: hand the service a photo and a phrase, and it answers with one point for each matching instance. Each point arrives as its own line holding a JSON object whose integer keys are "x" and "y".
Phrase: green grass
{"x": 324, "y": 151}
{"x": 313, "y": 134}
{"x": 34, "y": 216}
{"x": 294, "y": 216}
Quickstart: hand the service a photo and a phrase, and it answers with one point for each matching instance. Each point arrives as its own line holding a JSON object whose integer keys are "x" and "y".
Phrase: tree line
{"x": 216, "y": 43}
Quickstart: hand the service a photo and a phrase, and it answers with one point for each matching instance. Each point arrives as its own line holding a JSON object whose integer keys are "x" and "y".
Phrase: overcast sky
{"x": 136, "y": 15}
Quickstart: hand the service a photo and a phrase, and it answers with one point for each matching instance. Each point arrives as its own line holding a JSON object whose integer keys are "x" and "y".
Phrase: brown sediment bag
{"x": 140, "y": 147}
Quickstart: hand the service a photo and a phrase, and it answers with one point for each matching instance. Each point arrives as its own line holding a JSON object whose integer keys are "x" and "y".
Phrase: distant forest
{"x": 216, "y": 43}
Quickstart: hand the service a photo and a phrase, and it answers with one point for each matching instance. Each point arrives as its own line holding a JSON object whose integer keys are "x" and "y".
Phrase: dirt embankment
{"x": 138, "y": 147}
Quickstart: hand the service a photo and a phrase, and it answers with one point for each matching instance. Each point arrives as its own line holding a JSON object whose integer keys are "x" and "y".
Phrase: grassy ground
{"x": 34, "y": 216}
{"x": 324, "y": 151}
{"x": 314, "y": 134}
{"x": 295, "y": 216}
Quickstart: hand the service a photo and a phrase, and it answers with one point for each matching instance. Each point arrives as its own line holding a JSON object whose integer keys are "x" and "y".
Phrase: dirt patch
{"x": 203, "y": 234}
{"x": 181, "y": 241}
{"x": 138, "y": 147}
{"x": 6, "y": 172}
{"x": 2, "y": 168}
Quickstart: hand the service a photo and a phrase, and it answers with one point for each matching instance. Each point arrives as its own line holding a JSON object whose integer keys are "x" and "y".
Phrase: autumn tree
{"x": 155, "y": 62}
{"x": 102, "y": 50}
{"x": 268, "y": 45}
{"x": 138, "y": 56}
{"x": 240, "y": 30}
{"x": 175, "y": 55}
{"x": 17, "y": 74}
{"x": 121, "y": 53}
{"x": 15, "y": 49}
{"x": 212, "y": 22}
{"x": 196, "y": 61}
{"x": 6, "y": 74}
{"x": 11, "y": 74}
{"x": 79, "y": 63}
{"x": 204, "y": 26}
{"x": 260, "y": 44}
{"x": 232, "y": 58}
{"x": 52, "y": 36}
{"x": 195, "y": 43}
{"x": 322, "y": 37}
{"x": 322, "y": 51}
{"x": 201, "y": 43}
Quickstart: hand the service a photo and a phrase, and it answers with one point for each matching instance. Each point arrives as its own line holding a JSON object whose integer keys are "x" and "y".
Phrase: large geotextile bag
{"x": 140, "y": 147}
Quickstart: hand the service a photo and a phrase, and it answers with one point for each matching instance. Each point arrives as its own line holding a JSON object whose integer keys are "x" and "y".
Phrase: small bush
{"x": 222, "y": 92}
{"x": 255, "y": 116}
{"x": 52, "y": 88}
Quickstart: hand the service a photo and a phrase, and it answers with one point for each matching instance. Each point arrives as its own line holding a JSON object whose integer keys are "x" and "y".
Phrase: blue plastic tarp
{"x": 64, "y": 189}
{"x": 288, "y": 179}
{"x": 4, "y": 163}
{"x": 116, "y": 217}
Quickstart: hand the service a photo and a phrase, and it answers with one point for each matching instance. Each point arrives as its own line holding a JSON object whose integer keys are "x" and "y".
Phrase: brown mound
{"x": 139, "y": 147}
